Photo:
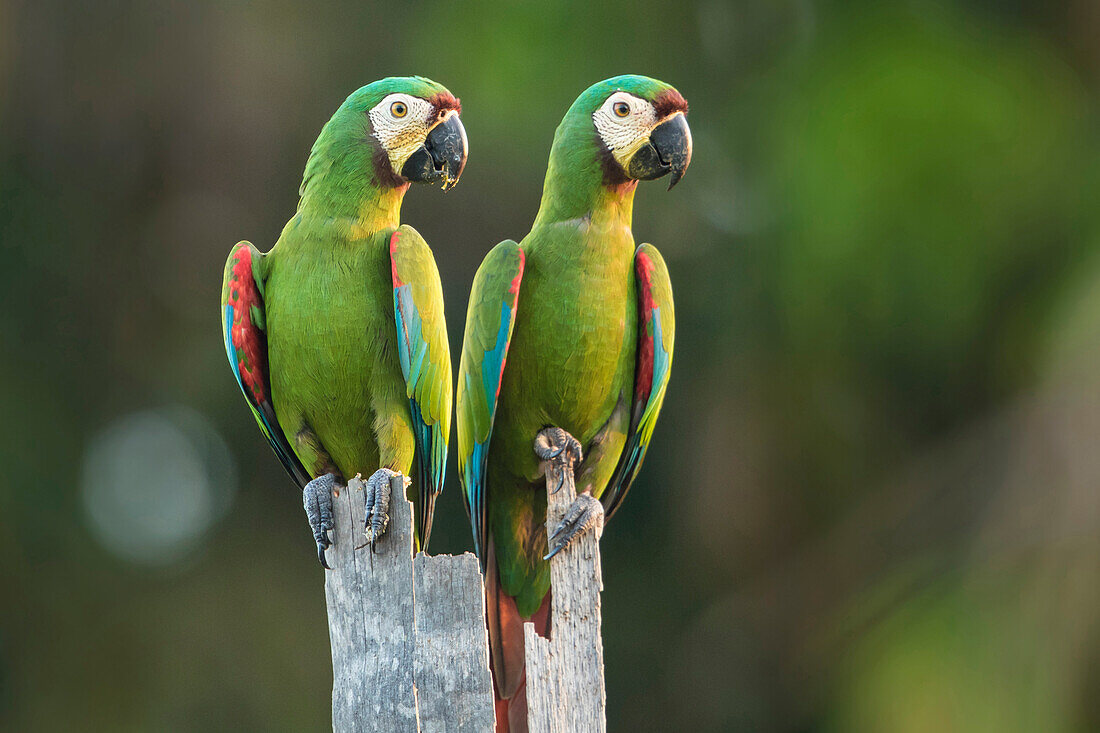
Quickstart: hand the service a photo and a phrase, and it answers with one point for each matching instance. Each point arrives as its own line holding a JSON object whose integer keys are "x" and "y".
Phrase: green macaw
{"x": 585, "y": 321}
{"x": 336, "y": 336}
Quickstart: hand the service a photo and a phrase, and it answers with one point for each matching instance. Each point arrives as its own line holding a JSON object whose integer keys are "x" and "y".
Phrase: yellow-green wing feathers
{"x": 656, "y": 335}
{"x": 489, "y": 322}
{"x": 425, "y": 363}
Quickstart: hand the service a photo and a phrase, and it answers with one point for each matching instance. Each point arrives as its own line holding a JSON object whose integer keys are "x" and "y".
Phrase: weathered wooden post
{"x": 409, "y": 643}
{"x": 565, "y": 685}
{"x": 451, "y": 669}
{"x": 410, "y": 650}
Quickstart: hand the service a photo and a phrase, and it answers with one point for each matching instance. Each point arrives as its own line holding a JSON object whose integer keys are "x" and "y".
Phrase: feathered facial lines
{"x": 399, "y": 123}
{"x": 623, "y": 122}
{"x": 643, "y": 139}
{"x": 410, "y": 128}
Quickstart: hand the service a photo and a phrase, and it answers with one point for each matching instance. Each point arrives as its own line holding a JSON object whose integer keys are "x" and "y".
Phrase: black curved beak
{"x": 442, "y": 156}
{"x": 668, "y": 151}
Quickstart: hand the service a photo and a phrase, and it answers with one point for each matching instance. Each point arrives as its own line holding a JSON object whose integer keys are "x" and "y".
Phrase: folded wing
{"x": 425, "y": 364}
{"x": 490, "y": 318}
{"x": 656, "y": 334}
{"x": 244, "y": 329}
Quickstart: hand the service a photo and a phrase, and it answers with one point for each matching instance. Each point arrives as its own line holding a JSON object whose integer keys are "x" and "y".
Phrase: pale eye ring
{"x": 399, "y": 109}
{"x": 621, "y": 109}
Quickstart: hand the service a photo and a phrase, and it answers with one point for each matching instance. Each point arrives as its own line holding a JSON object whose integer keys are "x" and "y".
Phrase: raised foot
{"x": 585, "y": 513}
{"x": 562, "y": 452}
{"x": 560, "y": 449}
{"x": 377, "y": 496}
{"x": 317, "y": 499}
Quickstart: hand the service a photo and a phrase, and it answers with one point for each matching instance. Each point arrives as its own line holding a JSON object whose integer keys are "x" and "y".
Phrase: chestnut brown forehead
{"x": 668, "y": 102}
{"x": 444, "y": 101}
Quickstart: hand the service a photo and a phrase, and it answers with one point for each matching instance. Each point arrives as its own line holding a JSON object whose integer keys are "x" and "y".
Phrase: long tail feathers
{"x": 506, "y": 649}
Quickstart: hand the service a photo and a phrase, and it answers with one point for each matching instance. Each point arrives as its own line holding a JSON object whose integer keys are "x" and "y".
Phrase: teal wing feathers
{"x": 245, "y": 332}
{"x": 489, "y": 322}
{"x": 425, "y": 363}
{"x": 656, "y": 334}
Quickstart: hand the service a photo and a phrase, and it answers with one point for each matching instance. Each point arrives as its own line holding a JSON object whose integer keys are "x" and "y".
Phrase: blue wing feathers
{"x": 493, "y": 362}
{"x": 475, "y": 472}
{"x": 494, "y": 300}
{"x": 426, "y": 382}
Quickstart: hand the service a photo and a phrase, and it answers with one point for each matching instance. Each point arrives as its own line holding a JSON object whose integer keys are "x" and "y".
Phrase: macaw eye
{"x": 622, "y": 109}
{"x": 399, "y": 109}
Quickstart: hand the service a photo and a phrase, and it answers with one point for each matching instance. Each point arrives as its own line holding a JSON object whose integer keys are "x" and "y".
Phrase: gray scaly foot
{"x": 560, "y": 449}
{"x": 317, "y": 498}
{"x": 585, "y": 513}
{"x": 377, "y": 494}
{"x": 563, "y": 452}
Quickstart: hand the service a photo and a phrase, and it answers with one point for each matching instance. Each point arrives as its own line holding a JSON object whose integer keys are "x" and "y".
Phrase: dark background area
{"x": 873, "y": 499}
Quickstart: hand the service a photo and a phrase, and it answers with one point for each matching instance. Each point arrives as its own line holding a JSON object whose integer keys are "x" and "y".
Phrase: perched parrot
{"x": 336, "y": 336}
{"x": 584, "y": 319}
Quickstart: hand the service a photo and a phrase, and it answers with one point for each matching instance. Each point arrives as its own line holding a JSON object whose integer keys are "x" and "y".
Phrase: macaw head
{"x": 639, "y": 125}
{"x": 402, "y": 129}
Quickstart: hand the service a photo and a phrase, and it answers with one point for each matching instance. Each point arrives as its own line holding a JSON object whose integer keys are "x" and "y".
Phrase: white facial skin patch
{"x": 624, "y": 122}
{"x": 400, "y": 122}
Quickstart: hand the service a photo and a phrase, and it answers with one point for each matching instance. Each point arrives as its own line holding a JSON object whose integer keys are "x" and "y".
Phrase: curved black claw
{"x": 377, "y": 496}
{"x": 317, "y": 500}
{"x": 583, "y": 514}
{"x": 555, "y": 445}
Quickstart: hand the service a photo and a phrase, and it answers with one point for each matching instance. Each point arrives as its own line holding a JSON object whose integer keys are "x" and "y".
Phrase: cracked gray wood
{"x": 565, "y": 684}
{"x": 370, "y": 614}
{"x": 454, "y": 687}
{"x": 400, "y": 666}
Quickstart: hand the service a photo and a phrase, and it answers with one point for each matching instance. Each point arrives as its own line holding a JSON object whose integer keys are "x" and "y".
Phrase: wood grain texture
{"x": 565, "y": 684}
{"x": 453, "y": 683}
{"x": 409, "y": 641}
{"x": 370, "y": 613}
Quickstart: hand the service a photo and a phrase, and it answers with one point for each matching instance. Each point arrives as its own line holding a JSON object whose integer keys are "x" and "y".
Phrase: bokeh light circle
{"x": 154, "y": 482}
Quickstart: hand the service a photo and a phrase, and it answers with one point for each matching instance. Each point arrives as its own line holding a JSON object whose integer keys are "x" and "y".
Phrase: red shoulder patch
{"x": 643, "y": 374}
{"x": 397, "y": 282}
{"x": 248, "y": 339}
{"x": 514, "y": 287}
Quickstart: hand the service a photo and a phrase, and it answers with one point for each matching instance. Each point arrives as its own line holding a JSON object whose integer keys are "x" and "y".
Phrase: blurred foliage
{"x": 872, "y": 500}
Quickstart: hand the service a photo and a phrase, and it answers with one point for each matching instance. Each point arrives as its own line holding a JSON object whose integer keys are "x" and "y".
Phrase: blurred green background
{"x": 873, "y": 500}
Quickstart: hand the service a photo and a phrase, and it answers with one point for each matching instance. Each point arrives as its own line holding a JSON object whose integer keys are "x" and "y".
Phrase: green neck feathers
{"x": 348, "y": 175}
{"x": 341, "y": 180}
{"x": 578, "y": 182}
{"x": 582, "y": 180}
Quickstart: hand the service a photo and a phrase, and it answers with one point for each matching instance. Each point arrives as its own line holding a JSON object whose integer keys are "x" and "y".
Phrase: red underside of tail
{"x": 506, "y": 657}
